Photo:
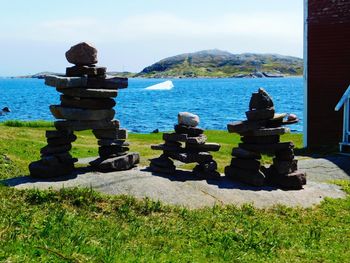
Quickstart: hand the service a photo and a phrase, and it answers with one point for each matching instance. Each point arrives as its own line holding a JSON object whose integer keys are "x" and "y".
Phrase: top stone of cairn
{"x": 260, "y": 100}
{"x": 82, "y": 54}
{"x": 188, "y": 119}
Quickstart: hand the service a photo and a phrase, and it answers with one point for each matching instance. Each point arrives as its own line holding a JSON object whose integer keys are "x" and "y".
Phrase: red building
{"x": 327, "y": 69}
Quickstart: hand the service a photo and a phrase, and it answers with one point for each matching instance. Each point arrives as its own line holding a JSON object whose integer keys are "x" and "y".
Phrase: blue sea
{"x": 216, "y": 101}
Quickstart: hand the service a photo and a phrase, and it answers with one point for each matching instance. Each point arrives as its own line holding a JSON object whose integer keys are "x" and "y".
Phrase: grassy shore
{"x": 83, "y": 226}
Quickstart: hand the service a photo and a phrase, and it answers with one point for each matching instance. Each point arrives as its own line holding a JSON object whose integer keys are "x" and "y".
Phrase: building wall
{"x": 328, "y": 68}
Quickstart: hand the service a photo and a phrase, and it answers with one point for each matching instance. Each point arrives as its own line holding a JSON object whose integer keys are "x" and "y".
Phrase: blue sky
{"x": 34, "y": 35}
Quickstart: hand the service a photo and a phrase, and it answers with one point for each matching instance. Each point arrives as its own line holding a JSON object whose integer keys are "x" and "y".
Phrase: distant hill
{"x": 217, "y": 63}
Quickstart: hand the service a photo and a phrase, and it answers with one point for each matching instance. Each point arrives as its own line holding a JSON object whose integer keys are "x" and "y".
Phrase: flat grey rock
{"x": 184, "y": 189}
{"x": 77, "y": 114}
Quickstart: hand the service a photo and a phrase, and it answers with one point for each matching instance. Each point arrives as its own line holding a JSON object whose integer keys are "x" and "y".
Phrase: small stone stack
{"x": 188, "y": 145}
{"x": 260, "y": 133}
{"x": 86, "y": 103}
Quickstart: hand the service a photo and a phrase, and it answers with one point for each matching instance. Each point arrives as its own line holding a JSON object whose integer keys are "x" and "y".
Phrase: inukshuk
{"x": 86, "y": 103}
{"x": 187, "y": 145}
{"x": 260, "y": 133}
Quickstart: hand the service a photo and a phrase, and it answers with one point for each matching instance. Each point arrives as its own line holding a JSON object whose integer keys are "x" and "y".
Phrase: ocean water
{"x": 216, "y": 101}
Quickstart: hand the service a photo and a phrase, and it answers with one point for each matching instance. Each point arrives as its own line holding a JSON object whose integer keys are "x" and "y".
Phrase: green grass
{"x": 80, "y": 225}
{"x": 30, "y": 124}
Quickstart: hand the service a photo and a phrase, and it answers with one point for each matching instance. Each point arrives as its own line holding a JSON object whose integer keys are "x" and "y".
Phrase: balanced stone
{"x": 87, "y": 103}
{"x": 86, "y": 125}
{"x": 255, "y": 178}
{"x": 60, "y": 112}
{"x": 89, "y": 93}
{"x": 114, "y": 150}
{"x": 200, "y": 139}
{"x": 245, "y": 154}
{"x": 163, "y": 161}
{"x": 167, "y": 148}
{"x": 292, "y": 181}
{"x": 245, "y": 164}
{"x": 114, "y": 133}
{"x": 77, "y": 71}
{"x": 111, "y": 142}
{"x": 57, "y": 134}
{"x": 112, "y": 83}
{"x": 260, "y": 100}
{"x": 261, "y": 139}
{"x": 61, "y": 82}
{"x": 173, "y": 144}
{"x": 257, "y": 115}
{"x": 55, "y": 149}
{"x": 267, "y": 147}
{"x": 209, "y": 166}
{"x": 205, "y": 174}
{"x": 207, "y": 147}
{"x": 82, "y": 54}
{"x": 40, "y": 170}
{"x": 163, "y": 170}
{"x": 285, "y": 167}
{"x": 174, "y": 137}
{"x": 201, "y": 157}
{"x": 188, "y": 119}
{"x": 285, "y": 155}
{"x": 191, "y": 131}
{"x": 242, "y": 127}
{"x": 61, "y": 140}
{"x": 119, "y": 163}
{"x": 268, "y": 132}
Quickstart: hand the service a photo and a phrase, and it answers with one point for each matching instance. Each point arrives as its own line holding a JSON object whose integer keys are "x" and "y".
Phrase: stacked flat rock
{"x": 260, "y": 133}
{"x": 87, "y": 101}
{"x": 187, "y": 145}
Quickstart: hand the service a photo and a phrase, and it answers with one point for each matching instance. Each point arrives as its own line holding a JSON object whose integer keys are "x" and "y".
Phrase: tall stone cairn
{"x": 187, "y": 145}
{"x": 260, "y": 133}
{"x": 86, "y": 104}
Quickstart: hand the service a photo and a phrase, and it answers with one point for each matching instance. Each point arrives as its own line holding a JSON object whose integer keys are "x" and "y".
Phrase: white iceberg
{"x": 166, "y": 85}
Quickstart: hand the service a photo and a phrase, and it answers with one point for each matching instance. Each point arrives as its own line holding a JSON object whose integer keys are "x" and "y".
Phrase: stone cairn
{"x": 86, "y": 103}
{"x": 195, "y": 149}
{"x": 260, "y": 133}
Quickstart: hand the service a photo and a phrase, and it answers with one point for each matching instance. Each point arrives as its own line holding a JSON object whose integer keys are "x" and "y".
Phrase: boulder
{"x": 200, "y": 139}
{"x": 243, "y": 127}
{"x": 167, "y": 148}
{"x": 82, "y": 54}
{"x": 206, "y": 174}
{"x": 188, "y": 119}
{"x": 77, "y": 114}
